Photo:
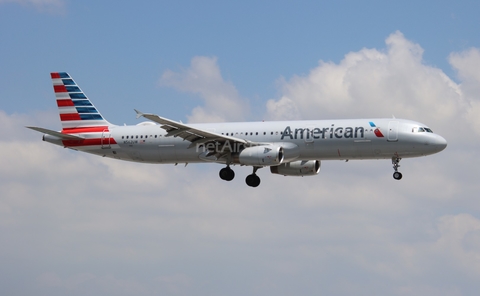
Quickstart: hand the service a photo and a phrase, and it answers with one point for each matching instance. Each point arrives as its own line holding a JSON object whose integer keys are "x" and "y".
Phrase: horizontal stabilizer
{"x": 54, "y": 133}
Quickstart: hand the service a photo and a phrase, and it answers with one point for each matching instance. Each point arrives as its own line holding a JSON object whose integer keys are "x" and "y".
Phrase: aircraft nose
{"x": 440, "y": 143}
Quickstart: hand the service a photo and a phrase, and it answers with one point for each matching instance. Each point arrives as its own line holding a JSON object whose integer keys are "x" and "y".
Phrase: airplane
{"x": 288, "y": 148}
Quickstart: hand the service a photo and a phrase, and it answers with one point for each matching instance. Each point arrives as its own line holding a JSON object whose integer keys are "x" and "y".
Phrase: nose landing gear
{"x": 396, "y": 175}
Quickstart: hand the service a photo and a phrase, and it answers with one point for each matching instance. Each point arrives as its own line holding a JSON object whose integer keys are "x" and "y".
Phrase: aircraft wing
{"x": 194, "y": 135}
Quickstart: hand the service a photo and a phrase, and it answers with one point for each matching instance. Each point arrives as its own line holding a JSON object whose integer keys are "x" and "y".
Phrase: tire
{"x": 397, "y": 176}
{"x": 252, "y": 180}
{"x": 226, "y": 174}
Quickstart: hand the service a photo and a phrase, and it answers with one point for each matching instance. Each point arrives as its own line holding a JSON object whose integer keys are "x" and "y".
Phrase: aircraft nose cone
{"x": 440, "y": 143}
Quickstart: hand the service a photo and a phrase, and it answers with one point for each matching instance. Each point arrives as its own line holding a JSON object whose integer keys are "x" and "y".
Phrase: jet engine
{"x": 297, "y": 168}
{"x": 266, "y": 155}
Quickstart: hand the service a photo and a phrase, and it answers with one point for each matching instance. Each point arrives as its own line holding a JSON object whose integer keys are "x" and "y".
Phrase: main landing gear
{"x": 228, "y": 174}
{"x": 395, "y": 161}
{"x": 253, "y": 180}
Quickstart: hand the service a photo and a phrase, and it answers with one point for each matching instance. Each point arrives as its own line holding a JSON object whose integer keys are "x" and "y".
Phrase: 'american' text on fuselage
{"x": 324, "y": 133}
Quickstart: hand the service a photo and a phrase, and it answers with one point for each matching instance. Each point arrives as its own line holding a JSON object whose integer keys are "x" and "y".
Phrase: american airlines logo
{"x": 377, "y": 131}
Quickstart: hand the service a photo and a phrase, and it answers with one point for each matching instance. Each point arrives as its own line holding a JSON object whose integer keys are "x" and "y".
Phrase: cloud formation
{"x": 203, "y": 77}
{"x": 467, "y": 64}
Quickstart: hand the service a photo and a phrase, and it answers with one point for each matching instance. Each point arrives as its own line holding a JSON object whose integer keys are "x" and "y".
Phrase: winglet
{"x": 139, "y": 114}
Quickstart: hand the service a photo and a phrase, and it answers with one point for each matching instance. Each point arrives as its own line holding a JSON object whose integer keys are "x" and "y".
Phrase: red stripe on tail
{"x": 65, "y": 103}
{"x": 59, "y": 88}
{"x": 70, "y": 116}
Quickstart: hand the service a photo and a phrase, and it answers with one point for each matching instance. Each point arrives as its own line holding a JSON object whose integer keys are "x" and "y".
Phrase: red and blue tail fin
{"x": 75, "y": 109}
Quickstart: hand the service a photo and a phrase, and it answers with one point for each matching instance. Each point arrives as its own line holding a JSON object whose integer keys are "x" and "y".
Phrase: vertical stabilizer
{"x": 76, "y": 110}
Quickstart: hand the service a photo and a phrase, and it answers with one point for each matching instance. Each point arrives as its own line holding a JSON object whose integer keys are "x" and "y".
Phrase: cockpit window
{"x": 421, "y": 130}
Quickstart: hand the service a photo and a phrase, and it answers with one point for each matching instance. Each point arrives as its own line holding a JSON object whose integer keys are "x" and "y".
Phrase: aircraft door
{"x": 392, "y": 131}
{"x": 105, "y": 140}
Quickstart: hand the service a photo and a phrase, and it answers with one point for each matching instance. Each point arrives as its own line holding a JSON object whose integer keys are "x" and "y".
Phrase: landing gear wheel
{"x": 252, "y": 180}
{"x": 227, "y": 174}
{"x": 397, "y": 175}
{"x": 395, "y": 161}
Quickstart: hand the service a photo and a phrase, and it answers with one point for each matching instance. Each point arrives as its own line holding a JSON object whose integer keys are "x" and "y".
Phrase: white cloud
{"x": 203, "y": 77}
{"x": 467, "y": 64}
{"x": 284, "y": 109}
{"x": 49, "y": 6}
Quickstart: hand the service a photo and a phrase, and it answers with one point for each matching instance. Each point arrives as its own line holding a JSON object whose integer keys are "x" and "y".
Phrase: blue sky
{"x": 78, "y": 224}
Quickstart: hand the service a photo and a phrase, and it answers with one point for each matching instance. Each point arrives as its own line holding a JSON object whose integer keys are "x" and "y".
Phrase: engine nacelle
{"x": 297, "y": 168}
{"x": 267, "y": 155}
